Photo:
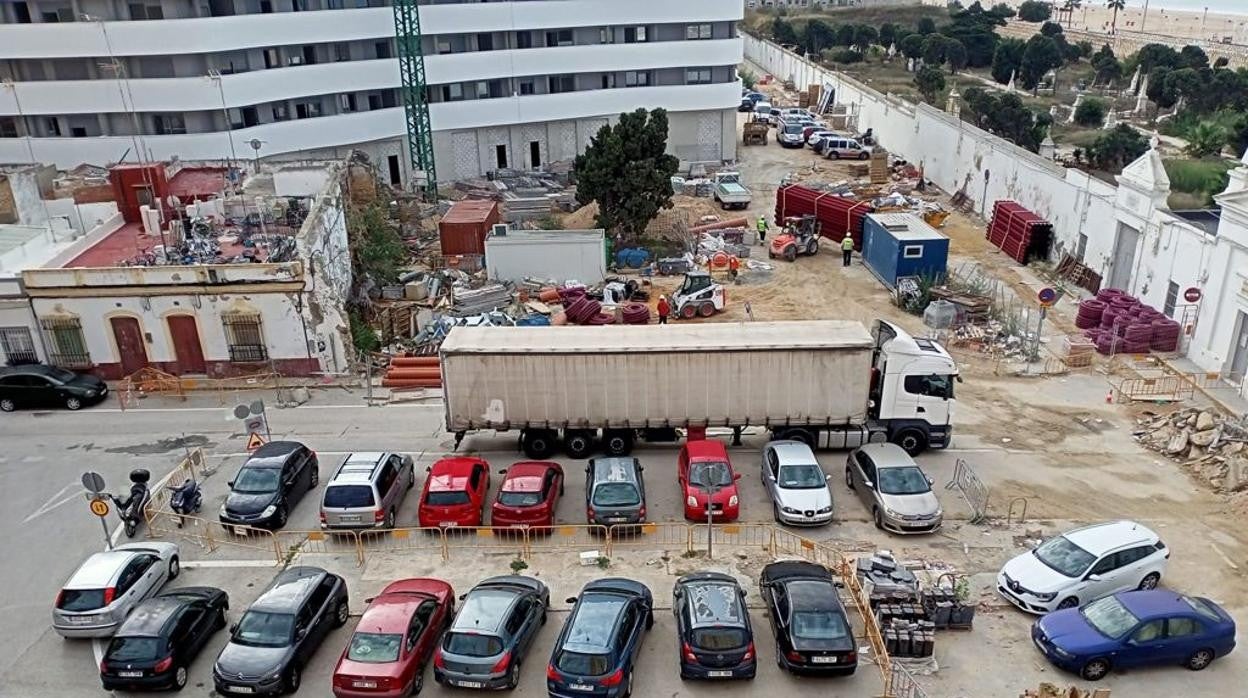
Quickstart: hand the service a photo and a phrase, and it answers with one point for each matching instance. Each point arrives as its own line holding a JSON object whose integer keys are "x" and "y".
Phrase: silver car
{"x": 367, "y": 491}
{"x": 797, "y": 485}
{"x": 108, "y": 585}
{"x": 891, "y": 485}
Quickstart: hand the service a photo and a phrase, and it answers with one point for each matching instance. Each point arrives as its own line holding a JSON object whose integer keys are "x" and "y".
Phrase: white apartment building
{"x": 515, "y": 83}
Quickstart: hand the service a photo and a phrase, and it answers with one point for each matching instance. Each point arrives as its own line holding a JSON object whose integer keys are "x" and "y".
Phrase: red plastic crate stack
{"x": 1019, "y": 233}
{"x": 837, "y": 214}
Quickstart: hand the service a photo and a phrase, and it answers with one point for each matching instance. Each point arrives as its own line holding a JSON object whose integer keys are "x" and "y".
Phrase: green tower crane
{"x": 415, "y": 102}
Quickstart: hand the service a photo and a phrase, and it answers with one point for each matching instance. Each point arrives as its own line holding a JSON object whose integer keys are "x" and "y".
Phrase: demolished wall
{"x": 322, "y": 244}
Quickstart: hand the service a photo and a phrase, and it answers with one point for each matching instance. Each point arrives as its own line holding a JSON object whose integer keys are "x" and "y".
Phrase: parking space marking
{"x": 57, "y": 500}
{"x": 224, "y": 564}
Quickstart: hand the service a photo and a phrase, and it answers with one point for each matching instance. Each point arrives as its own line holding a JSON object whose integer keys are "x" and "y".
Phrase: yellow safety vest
{"x": 847, "y": 245}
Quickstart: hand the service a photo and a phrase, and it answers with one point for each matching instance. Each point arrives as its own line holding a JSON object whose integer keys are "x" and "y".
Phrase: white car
{"x": 797, "y": 485}
{"x": 108, "y": 585}
{"x": 817, "y": 136}
{"x": 1084, "y": 565}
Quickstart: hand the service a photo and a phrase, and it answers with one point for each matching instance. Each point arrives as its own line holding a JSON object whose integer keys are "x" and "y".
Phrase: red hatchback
{"x": 528, "y": 495}
{"x": 701, "y": 461}
{"x": 394, "y": 640}
{"x": 454, "y": 494}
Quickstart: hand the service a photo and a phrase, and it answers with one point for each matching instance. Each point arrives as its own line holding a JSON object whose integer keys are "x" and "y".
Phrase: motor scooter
{"x": 185, "y": 499}
{"x": 131, "y": 508}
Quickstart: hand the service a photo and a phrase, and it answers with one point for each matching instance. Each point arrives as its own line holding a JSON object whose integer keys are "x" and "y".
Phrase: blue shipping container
{"x": 896, "y": 245}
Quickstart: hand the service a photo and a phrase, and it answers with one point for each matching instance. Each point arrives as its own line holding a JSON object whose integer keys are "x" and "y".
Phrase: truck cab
{"x": 912, "y": 394}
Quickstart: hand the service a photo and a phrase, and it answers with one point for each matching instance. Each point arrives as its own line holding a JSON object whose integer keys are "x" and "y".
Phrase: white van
{"x": 762, "y": 111}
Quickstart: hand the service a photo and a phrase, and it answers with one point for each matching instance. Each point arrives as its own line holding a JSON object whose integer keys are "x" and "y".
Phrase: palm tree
{"x": 1116, "y": 6}
{"x": 1069, "y": 8}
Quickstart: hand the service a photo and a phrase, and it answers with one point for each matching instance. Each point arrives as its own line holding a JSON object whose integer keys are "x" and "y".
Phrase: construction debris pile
{"x": 1209, "y": 444}
{"x": 527, "y": 194}
{"x": 1048, "y": 690}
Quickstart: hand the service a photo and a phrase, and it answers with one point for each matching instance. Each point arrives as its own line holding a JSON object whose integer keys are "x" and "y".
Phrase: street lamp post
{"x": 710, "y": 487}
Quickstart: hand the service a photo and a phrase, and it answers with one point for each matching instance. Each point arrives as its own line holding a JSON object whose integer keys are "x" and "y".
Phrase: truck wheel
{"x": 539, "y": 444}
{"x": 579, "y": 443}
{"x": 688, "y": 311}
{"x": 790, "y": 253}
{"x": 617, "y": 442}
{"x": 801, "y": 435}
{"x": 912, "y": 440}
{"x": 706, "y": 309}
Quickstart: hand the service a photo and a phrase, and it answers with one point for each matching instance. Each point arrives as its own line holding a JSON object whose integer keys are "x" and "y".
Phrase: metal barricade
{"x": 563, "y": 537}
{"x": 655, "y": 536}
{"x": 486, "y": 539}
{"x": 211, "y": 535}
{"x": 403, "y": 540}
{"x": 785, "y": 542}
{"x": 342, "y": 542}
{"x": 871, "y": 628}
{"x": 760, "y": 537}
{"x": 975, "y": 491}
{"x": 900, "y": 683}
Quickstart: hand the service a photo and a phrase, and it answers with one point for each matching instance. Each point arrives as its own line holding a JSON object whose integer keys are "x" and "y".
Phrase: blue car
{"x": 601, "y": 640}
{"x": 1135, "y": 628}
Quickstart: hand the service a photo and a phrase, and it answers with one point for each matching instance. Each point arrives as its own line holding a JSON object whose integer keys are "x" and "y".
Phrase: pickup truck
{"x": 729, "y": 191}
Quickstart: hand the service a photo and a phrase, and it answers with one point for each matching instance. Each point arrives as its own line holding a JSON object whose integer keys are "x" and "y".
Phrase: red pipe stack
{"x": 413, "y": 372}
{"x": 1089, "y": 314}
{"x": 1019, "y": 233}
{"x": 837, "y": 215}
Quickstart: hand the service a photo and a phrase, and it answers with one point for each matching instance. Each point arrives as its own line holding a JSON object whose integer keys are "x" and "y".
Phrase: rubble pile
{"x": 1212, "y": 446}
{"x": 1048, "y": 690}
{"x": 992, "y": 337}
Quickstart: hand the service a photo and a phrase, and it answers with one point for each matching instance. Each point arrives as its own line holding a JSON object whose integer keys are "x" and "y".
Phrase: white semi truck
{"x": 830, "y": 384}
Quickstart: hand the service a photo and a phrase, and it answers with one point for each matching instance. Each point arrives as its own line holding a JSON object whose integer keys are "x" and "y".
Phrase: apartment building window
{"x": 606, "y": 35}
{"x": 281, "y": 113}
{"x": 444, "y": 47}
{"x": 389, "y": 98}
{"x": 8, "y": 127}
{"x": 485, "y": 42}
{"x": 307, "y": 110}
{"x": 697, "y": 76}
{"x": 333, "y": 4}
{"x": 374, "y": 101}
{"x": 243, "y": 336}
{"x": 453, "y": 92}
{"x": 608, "y": 81}
{"x": 67, "y": 347}
{"x": 636, "y": 78}
{"x": 382, "y": 48}
{"x": 21, "y": 12}
{"x": 141, "y": 11}
{"x": 78, "y": 132}
{"x": 342, "y": 52}
{"x": 272, "y": 58}
{"x": 698, "y": 31}
{"x": 52, "y": 125}
{"x": 1172, "y": 299}
{"x": 18, "y": 346}
{"x": 63, "y": 14}
{"x": 634, "y": 35}
{"x": 167, "y": 124}
{"x": 561, "y": 83}
{"x": 346, "y": 103}
{"x": 524, "y": 39}
{"x": 266, "y": 7}
{"x": 527, "y": 87}
{"x": 559, "y": 37}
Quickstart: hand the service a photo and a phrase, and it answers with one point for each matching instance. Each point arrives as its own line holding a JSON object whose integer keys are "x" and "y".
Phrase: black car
{"x": 713, "y": 627}
{"x": 278, "y": 634}
{"x": 270, "y": 483}
{"x": 492, "y": 634}
{"x": 156, "y": 644}
{"x": 600, "y": 642}
{"x": 813, "y": 634}
{"x": 37, "y": 385}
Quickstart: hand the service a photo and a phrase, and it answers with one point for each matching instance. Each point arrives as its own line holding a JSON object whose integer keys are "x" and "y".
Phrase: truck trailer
{"x": 829, "y": 384}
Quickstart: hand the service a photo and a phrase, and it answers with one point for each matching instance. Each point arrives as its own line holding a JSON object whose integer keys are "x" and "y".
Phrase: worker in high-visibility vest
{"x": 847, "y": 249}
{"x": 762, "y": 230}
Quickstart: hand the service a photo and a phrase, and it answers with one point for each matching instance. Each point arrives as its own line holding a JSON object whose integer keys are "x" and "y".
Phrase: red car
{"x": 528, "y": 495}
{"x": 700, "y": 461}
{"x": 394, "y": 640}
{"x": 454, "y": 494}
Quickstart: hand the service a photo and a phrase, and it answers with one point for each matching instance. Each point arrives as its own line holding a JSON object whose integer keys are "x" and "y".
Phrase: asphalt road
{"x": 50, "y": 529}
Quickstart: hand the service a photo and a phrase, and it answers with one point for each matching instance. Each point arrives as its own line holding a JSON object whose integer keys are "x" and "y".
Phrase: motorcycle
{"x": 185, "y": 499}
{"x": 131, "y": 508}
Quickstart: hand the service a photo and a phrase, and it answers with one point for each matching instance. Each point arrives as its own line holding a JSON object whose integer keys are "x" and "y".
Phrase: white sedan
{"x": 797, "y": 485}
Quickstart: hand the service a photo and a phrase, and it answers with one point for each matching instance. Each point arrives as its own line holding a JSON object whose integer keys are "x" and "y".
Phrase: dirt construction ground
{"x": 1053, "y": 441}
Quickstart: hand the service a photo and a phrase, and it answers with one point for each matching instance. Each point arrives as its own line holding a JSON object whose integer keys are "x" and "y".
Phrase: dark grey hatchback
{"x": 270, "y": 483}
{"x": 279, "y": 633}
{"x": 492, "y": 633}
